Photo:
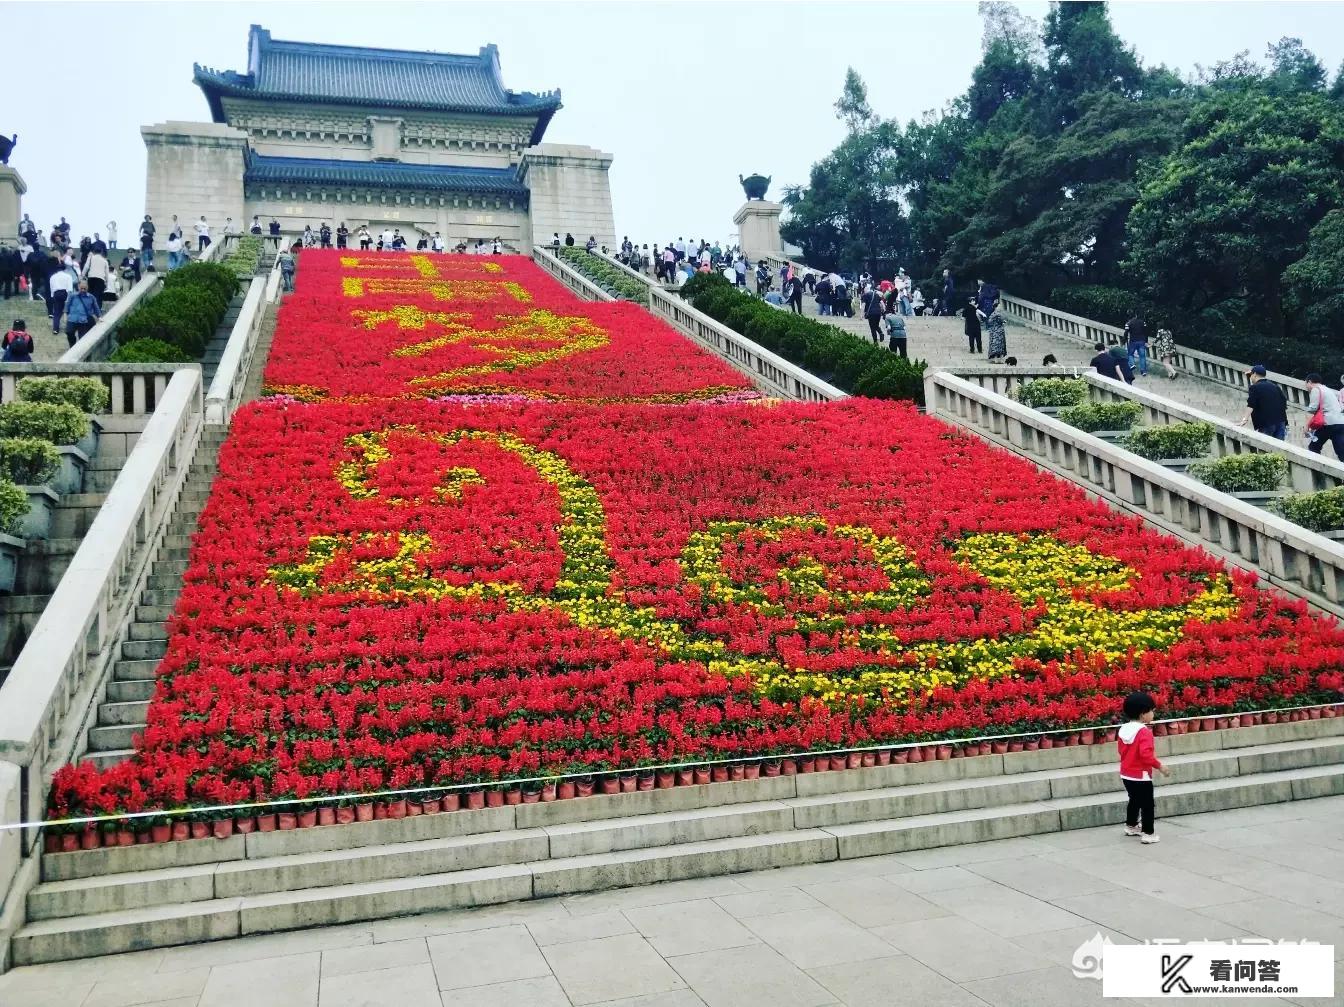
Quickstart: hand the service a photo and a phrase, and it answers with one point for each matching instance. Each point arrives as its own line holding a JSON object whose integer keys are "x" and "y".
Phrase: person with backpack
{"x": 796, "y": 295}
{"x": 18, "y": 344}
{"x": 82, "y": 311}
{"x": 287, "y": 270}
{"x": 1326, "y": 422}
{"x": 872, "y": 312}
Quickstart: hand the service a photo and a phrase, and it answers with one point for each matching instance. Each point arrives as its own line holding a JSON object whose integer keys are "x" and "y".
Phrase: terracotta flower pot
{"x": 958, "y": 751}
{"x": 143, "y": 838}
{"x": 475, "y": 800}
{"x": 1087, "y": 737}
{"x": 884, "y": 756}
{"x": 914, "y": 754}
{"x": 379, "y": 811}
{"x": 719, "y": 774}
{"x": 126, "y": 837}
{"x": 1032, "y": 745}
{"x": 431, "y": 807}
{"x": 307, "y": 818}
{"x": 51, "y": 842}
{"x": 1159, "y": 730}
{"x": 1224, "y": 723}
{"x": 200, "y": 830}
{"x": 772, "y": 768}
{"x": 998, "y": 747}
{"x": 788, "y": 767}
{"x": 900, "y": 757}
{"x": 548, "y": 794}
{"x": 868, "y": 760}
{"x": 181, "y": 831}
{"x": 751, "y": 771}
{"x": 161, "y": 832}
{"x": 645, "y": 781}
{"x": 1314, "y": 713}
{"x": 345, "y": 814}
{"x": 809, "y": 765}
{"x": 611, "y": 785}
{"x": 222, "y": 829}
{"x": 944, "y": 752}
{"x": 737, "y": 771}
{"x": 567, "y": 789}
{"x": 584, "y": 788}
{"x": 854, "y": 760}
{"x": 666, "y": 779}
{"x": 493, "y": 799}
{"x": 513, "y": 796}
{"x": 70, "y": 841}
{"x": 453, "y": 801}
{"x": 531, "y": 796}
{"x": 701, "y": 775}
{"x": 245, "y": 826}
{"x": 326, "y": 815}
{"x": 1047, "y": 742}
{"x": 364, "y": 811}
{"x": 628, "y": 783}
{"x": 685, "y": 777}
{"x": 839, "y": 762}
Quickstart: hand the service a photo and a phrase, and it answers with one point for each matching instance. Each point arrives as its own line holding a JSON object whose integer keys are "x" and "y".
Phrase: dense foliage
{"x": 1320, "y": 511}
{"x": 1172, "y": 440}
{"x": 89, "y": 394}
{"x": 1072, "y": 174}
{"x": 28, "y": 461}
{"x": 851, "y": 364}
{"x": 185, "y": 313}
{"x": 1257, "y": 473}
{"x": 605, "y": 273}
{"x": 57, "y": 422}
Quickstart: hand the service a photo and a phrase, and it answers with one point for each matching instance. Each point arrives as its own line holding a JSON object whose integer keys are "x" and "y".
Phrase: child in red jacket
{"x": 1137, "y": 762}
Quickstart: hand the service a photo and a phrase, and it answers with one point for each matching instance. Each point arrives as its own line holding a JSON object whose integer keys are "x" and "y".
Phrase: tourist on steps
{"x": 1138, "y": 760}
{"x": 275, "y": 233}
{"x": 1266, "y": 405}
{"x": 1136, "y": 341}
{"x": 1327, "y": 417}
{"x": 872, "y": 313}
{"x": 18, "y": 344}
{"x": 1164, "y": 349}
{"x": 998, "y": 336}
{"x": 202, "y": 234}
{"x": 896, "y": 333}
{"x": 175, "y": 253}
{"x": 1112, "y": 363}
{"x": 342, "y": 235}
{"x": 147, "y": 243}
{"x": 795, "y": 295}
{"x": 60, "y": 285}
{"x": 286, "y": 259}
{"x": 81, "y": 313}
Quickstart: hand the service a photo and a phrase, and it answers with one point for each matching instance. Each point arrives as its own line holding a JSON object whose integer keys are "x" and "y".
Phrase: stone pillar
{"x": 569, "y": 192}
{"x": 193, "y": 168}
{"x": 12, "y": 188}
{"x": 758, "y": 228}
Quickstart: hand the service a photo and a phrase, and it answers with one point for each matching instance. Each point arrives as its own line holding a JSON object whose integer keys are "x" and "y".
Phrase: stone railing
{"x": 49, "y": 697}
{"x": 136, "y": 389}
{"x": 771, "y": 372}
{"x": 226, "y": 389}
{"x": 273, "y": 282}
{"x": 98, "y": 343}
{"x": 570, "y": 277}
{"x": 1307, "y": 471}
{"x": 1297, "y": 561}
{"x": 1231, "y": 373}
{"x": 635, "y": 274}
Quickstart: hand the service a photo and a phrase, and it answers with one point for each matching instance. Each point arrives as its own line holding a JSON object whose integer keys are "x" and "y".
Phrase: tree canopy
{"x": 1072, "y": 173}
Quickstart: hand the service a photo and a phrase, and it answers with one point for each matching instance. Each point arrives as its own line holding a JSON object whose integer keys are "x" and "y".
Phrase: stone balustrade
{"x": 1230, "y": 373}
{"x": 136, "y": 389}
{"x": 771, "y": 372}
{"x": 98, "y": 343}
{"x": 1300, "y": 562}
{"x": 50, "y": 693}
{"x": 226, "y": 389}
{"x": 570, "y": 277}
{"x": 1308, "y": 472}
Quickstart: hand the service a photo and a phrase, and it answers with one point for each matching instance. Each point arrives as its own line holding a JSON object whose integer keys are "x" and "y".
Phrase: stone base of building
{"x": 569, "y": 192}
{"x": 12, "y": 188}
{"x": 758, "y": 228}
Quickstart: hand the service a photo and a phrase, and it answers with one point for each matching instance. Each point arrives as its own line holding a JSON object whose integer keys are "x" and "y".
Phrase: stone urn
{"x": 754, "y": 185}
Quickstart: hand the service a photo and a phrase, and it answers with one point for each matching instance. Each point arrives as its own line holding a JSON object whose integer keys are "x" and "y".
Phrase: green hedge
{"x": 186, "y": 312}
{"x": 148, "y": 351}
{"x": 852, "y": 364}
{"x": 28, "y": 461}
{"x": 214, "y": 275}
{"x": 1175, "y": 440}
{"x": 1052, "y": 392}
{"x": 57, "y": 422}
{"x": 13, "y": 504}
{"x": 89, "y": 394}
{"x": 1093, "y": 416}
{"x": 1242, "y": 473}
{"x": 605, "y": 274}
{"x": 245, "y": 255}
{"x": 1322, "y": 511}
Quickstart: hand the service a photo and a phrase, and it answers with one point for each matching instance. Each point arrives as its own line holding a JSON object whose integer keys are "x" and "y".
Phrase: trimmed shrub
{"x": 851, "y": 364}
{"x": 1253, "y": 473}
{"x": 28, "y": 461}
{"x": 57, "y": 422}
{"x": 148, "y": 351}
{"x": 606, "y": 275}
{"x": 1175, "y": 440}
{"x": 1052, "y": 392}
{"x": 13, "y": 505}
{"x": 1093, "y": 416}
{"x": 89, "y": 394}
{"x": 212, "y": 275}
{"x": 186, "y": 312}
{"x": 1322, "y": 511}
{"x": 245, "y": 255}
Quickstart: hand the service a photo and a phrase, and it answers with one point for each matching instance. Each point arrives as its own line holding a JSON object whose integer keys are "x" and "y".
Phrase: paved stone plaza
{"x": 964, "y": 926}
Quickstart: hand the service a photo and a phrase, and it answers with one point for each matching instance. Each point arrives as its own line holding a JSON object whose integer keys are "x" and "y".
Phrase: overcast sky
{"x": 686, "y": 95}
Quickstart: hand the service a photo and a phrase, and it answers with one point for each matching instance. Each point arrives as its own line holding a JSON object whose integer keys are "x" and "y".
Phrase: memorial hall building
{"x": 421, "y": 141}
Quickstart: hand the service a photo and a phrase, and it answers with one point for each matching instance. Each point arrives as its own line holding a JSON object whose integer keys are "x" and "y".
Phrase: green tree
{"x": 1312, "y": 284}
{"x": 1083, "y": 54}
{"x": 1293, "y": 67}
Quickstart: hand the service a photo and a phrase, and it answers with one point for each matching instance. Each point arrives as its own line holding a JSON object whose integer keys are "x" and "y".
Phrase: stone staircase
{"x": 113, "y": 900}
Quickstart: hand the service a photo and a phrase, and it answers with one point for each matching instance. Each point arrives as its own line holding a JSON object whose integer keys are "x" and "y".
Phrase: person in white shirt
{"x": 111, "y": 234}
{"x": 705, "y": 257}
{"x": 680, "y": 247}
{"x": 202, "y": 234}
{"x": 175, "y": 253}
{"x": 496, "y": 248}
{"x": 436, "y": 244}
{"x": 386, "y": 239}
{"x": 59, "y": 284}
{"x": 96, "y": 271}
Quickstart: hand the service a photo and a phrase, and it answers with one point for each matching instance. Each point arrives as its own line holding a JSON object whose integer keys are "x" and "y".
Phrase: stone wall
{"x": 193, "y": 168}
{"x": 570, "y": 192}
{"x": 453, "y": 222}
{"x": 12, "y": 188}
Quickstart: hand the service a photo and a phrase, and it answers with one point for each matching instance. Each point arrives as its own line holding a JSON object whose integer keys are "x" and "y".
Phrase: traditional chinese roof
{"x": 308, "y": 171}
{"x": 388, "y": 79}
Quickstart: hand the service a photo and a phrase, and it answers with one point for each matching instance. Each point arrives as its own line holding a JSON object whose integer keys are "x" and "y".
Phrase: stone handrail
{"x": 635, "y": 274}
{"x": 1308, "y": 472}
{"x": 48, "y": 698}
{"x": 568, "y": 275}
{"x": 97, "y": 343}
{"x": 1221, "y": 370}
{"x": 136, "y": 389}
{"x": 226, "y": 389}
{"x": 775, "y": 375}
{"x": 273, "y": 282}
{"x": 1291, "y": 558}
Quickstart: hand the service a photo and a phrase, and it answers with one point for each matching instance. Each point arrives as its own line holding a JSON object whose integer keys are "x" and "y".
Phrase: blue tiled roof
{"x": 307, "y": 171}
{"x": 385, "y": 78}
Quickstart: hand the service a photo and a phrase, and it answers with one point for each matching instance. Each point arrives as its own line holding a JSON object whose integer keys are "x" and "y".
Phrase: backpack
{"x": 874, "y": 307}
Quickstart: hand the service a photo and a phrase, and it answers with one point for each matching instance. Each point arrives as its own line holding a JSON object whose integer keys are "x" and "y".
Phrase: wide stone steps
{"x": 111, "y": 900}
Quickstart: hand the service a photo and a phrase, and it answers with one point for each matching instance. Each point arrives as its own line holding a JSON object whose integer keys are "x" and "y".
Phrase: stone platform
{"x": 994, "y": 923}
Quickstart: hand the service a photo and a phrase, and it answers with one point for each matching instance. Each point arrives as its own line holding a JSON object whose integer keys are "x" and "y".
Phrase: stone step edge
{"x": 1052, "y": 764}
{"x": 153, "y": 927}
{"x": 259, "y": 853}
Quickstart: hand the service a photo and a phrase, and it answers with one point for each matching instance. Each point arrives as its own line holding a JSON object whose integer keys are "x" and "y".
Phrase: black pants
{"x": 898, "y": 346}
{"x": 975, "y": 344}
{"x": 1334, "y": 433}
{"x": 796, "y": 304}
{"x": 1141, "y": 803}
{"x": 202, "y": 243}
{"x": 875, "y": 329}
{"x": 97, "y": 287}
{"x": 9, "y": 286}
{"x": 340, "y": 241}
{"x": 75, "y": 331}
